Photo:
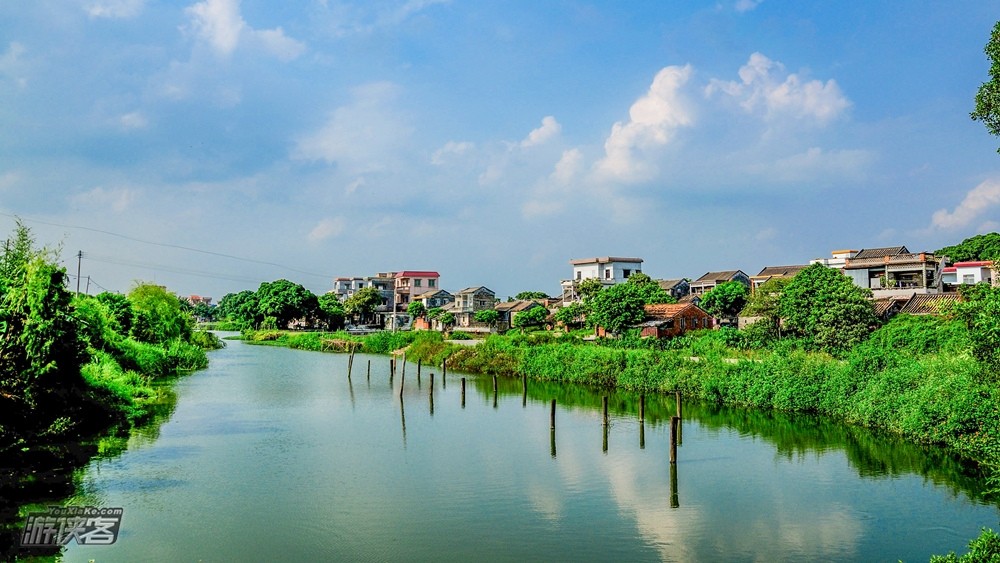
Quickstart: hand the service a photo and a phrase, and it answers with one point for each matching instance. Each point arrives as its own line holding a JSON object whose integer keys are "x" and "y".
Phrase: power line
{"x": 176, "y": 246}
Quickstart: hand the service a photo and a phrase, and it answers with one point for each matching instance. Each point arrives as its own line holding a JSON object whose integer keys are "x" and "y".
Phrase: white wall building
{"x": 610, "y": 270}
{"x": 968, "y": 273}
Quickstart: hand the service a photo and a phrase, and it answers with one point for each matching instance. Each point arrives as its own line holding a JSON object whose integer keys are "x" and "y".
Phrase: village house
{"x": 669, "y": 320}
{"x": 469, "y": 301}
{"x": 928, "y": 303}
{"x": 967, "y": 273}
{"x": 676, "y": 288}
{"x": 384, "y": 282}
{"x": 895, "y": 271}
{"x": 610, "y": 270}
{"x": 707, "y": 282}
{"x": 508, "y": 309}
{"x": 774, "y": 272}
{"x": 410, "y": 283}
{"x": 837, "y": 260}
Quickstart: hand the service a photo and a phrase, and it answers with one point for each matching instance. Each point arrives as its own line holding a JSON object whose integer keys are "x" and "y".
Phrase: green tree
{"x": 572, "y": 314}
{"x": 242, "y": 308}
{"x": 765, "y": 302}
{"x": 416, "y": 309}
{"x": 526, "y": 295}
{"x": 979, "y": 247}
{"x": 725, "y": 300}
{"x": 534, "y": 316}
{"x": 286, "y": 301}
{"x": 979, "y": 309}
{"x": 331, "y": 311}
{"x": 823, "y": 305}
{"x": 988, "y": 97}
{"x": 434, "y": 312}
{"x": 158, "y": 316}
{"x": 120, "y": 309}
{"x": 651, "y": 291}
{"x": 617, "y": 307}
{"x": 489, "y": 317}
{"x": 363, "y": 304}
{"x": 588, "y": 288}
{"x": 447, "y": 320}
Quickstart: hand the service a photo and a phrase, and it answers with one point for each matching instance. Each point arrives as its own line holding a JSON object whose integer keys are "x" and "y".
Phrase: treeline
{"x": 279, "y": 304}
{"x": 72, "y": 365}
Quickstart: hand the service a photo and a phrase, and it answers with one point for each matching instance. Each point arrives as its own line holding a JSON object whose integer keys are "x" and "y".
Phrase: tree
{"x": 242, "y": 308}
{"x": 588, "y": 288}
{"x": 447, "y": 320}
{"x": 331, "y": 311}
{"x": 286, "y": 301}
{"x": 489, "y": 317}
{"x": 158, "y": 316}
{"x": 979, "y": 309}
{"x": 988, "y": 97}
{"x": 416, "y": 309}
{"x": 572, "y": 314}
{"x": 725, "y": 300}
{"x": 651, "y": 291}
{"x": 765, "y": 302}
{"x": 434, "y": 312}
{"x": 534, "y": 316}
{"x": 617, "y": 307}
{"x": 979, "y": 247}
{"x": 824, "y": 306}
{"x": 526, "y": 295}
{"x": 119, "y": 308}
{"x": 363, "y": 303}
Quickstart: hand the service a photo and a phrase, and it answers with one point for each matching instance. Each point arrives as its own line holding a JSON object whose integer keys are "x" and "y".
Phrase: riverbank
{"x": 914, "y": 377}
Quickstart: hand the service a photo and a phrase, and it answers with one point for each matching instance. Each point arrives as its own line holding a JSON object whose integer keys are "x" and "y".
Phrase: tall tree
{"x": 617, "y": 307}
{"x": 363, "y": 303}
{"x": 242, "y": 308}
{"x": 650, "y": 290}
{"x": 534, "y": 316}
{"x": 980, "y": 247}
{"x": 525, "y": 295}
{"x": 979, "y": 309}
{"x": 331, "y": 311}
{"x": 824, "y": 306}
{"x": 286, "y": 301}
{"x": 158, "y": 315}
{"x": 725, "y": 300}
{"x": 988, "y": 97}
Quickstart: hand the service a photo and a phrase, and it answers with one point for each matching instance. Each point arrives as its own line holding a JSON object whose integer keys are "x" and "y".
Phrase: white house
{"x": 610, "y": 270}
{"x": 967, "y": 273}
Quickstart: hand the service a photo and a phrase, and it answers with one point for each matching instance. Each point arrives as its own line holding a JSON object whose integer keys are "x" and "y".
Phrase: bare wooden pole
{"x": 369, "y": 370}
{"x": 420, "y": 363}
{"x": 552, "y": 415}
{"x": 674, "y": 423}
{"x": 444, "y": 367}
{"x": 675, "y": 501}
{"x": 350, "y": 362}
{"x": 680, "y": 408}
{"x": 463, "y": 392}
{"x": 680, "y": 418}
{"x": 642, "y": 435}
{"x": 642, "y": 408}
{"x": 524, "y": 390}
{"x": 402, "y": 381}
{"x": 604, "y": 443}
{"x": 432, "y": 383}
{"x": 604, "y": 405}
{"x": 404, "y": 365}
{"x": 494, "y": 391}
{"x": 552, "y": 442}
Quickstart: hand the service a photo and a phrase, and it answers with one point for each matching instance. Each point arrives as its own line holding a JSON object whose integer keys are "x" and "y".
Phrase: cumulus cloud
{"x": 326, "y": 228}
{"x": 114, "y": 9}
{"x": 220, "y": 24}
{"x": 765, "y": 88}
{"x": 979, "y": 199}
{"x": 549, "y": 129}
{"x": 549, "y": 196}
{"x": 361, "y": 136}
{"x": 653, "y": 119}
{"x": 568, "y": 168}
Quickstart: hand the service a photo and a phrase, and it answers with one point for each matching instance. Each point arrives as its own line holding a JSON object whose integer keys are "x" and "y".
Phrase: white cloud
{"x": 451, "y": 148}
{"x": 762, "y": 89}
{"x": 114, "y": 9}
{"x": 653, "y": 119}
{"x": 354, "y": 185}
{"x": 220, "y": 24}
{"x": 747, "y": 5}
{"x": 118, "y": 200}
{"x": 568, "y": 168}
{"x": 361, "y": 136}
{"x": 549, "y": 129}
{"x": 133, "y": 120}
{"x": 9, "y": 180}
{"x": 326, "y": 228}
{"x": 977, "y": 201}
{"x": 551, "y": 195}
{"x": 816, "y": 164}
{"x": 11, "y": 63}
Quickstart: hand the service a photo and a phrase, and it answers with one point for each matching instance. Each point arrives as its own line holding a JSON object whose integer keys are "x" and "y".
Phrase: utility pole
{"x": 79, "y": 258}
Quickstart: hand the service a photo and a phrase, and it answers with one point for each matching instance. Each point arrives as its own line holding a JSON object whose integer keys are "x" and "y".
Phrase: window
{"x": 607, "y": 273}
{"x": 968, "y": 279}
{"x": 417, "y": 283}
{"x": 626, "y": 273}
{"x": 430, "y": 283}
{"x": 579, "y": 275}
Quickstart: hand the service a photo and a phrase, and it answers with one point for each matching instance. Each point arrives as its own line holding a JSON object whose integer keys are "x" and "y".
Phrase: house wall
{"x": 608, "y": 272}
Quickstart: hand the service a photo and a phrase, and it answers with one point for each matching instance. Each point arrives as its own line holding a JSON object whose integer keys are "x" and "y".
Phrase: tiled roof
{"x": 928, "y": 303}
{"x": 417, "y": 274}
{"x": 895, "y": 260}
{"x": 669, "y": 284}
{"x": 977, "y": 264}
{"x": 667, "y": 311}
{"x": 475, "y": 290}
{"x": 603, "y": 260}
{"x": 516, "y": 306}
{"x": 884, "y": 304}
{"x": 690, "y": 298}
{"x": 432, "y": 293}
{"x": 717, "y": 276}
{"x": 881, "y": 252}
{"x": 781, "y": 271}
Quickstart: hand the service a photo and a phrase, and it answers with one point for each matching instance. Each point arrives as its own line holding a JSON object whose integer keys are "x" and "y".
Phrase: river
{"x": 272, "y": 454}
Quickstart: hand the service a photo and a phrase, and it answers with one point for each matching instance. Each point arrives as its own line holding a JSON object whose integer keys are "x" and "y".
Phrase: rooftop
{"x": 604, "y": 260}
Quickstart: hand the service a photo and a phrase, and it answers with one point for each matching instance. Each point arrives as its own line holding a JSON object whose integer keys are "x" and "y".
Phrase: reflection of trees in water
{"x": 33, "y": 479}
{"x": 873, "y": 454}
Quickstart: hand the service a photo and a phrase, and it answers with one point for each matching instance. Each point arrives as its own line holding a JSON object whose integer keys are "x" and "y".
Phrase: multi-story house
{"x": 774, "y": 272}
{"x": 895, "y": 271}
{"x": 707, "y": 282}
{"x": 410, "y": 283}
{"x": 468, "y": 302}
{"x": 837, "y": 260}
{"x": 676, "y": 288}
{"x": 384, "y": 282}
{"x": 609, "y": 269}
{"x": 967, "y": 273}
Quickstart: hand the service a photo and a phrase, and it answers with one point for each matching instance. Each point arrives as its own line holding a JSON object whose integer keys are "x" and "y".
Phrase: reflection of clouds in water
{"x": 547, "y": 501}
{"x": 837, "y": 530}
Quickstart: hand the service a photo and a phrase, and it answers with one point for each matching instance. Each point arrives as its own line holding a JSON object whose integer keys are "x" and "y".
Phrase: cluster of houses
{"x": 900, "y": 281}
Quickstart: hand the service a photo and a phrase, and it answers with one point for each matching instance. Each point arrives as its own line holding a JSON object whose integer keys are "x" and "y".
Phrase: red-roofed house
{"x": 665, "y": 321}
{"x": 967, "y": 273}
{"x": 410, "y": 283}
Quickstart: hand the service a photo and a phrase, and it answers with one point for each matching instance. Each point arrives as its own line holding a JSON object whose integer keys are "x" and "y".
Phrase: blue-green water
{"x": 274, "y": 455}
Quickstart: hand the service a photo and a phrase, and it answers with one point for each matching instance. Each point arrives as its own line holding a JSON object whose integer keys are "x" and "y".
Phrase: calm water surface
{"x": 274, "y": 455}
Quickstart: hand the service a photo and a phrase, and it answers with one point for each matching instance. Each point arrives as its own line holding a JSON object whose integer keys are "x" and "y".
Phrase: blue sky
{"x": 491, "y": 141}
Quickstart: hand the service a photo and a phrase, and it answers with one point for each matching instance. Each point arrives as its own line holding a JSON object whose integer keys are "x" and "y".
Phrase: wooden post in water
{"x": 430, "y": 394}
{"x": 675, "y": 501}
{"x": 524, "y": 390}
{"x": 432, "y": 383}
{"x": 402, "y": 381}
{"x": 674, "y": 423}
{"x": 604, "y": 443}
{"x": 552, "y": 442}
{"x": 552, "y": 415}
{"x": 680, "y": 408}
{"x": 420, "y": 363}
{"x": 642, "y": 435}
{"x": 680, "y": 418}
{"x": 463, "y": 392}
{"x": 404, "y": 365}
{"x": 369, "y": 370}
{"x": 494, "y": 391}
{"x": 350, "y": 362}
{"x": 604, "y": 408}
{"x": 444, "y": 367}
{"x": 642, "y": 408}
